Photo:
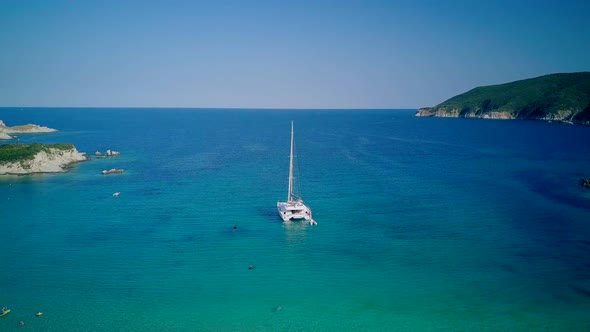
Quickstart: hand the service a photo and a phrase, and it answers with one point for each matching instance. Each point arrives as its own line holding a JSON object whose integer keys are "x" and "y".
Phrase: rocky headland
{"x": 556, "y": 97}
{"x": 23, "y": 159}
{"x": 5, "y": 131}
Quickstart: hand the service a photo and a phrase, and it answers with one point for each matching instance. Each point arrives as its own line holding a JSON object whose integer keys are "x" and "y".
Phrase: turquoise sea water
{"x": 425, "y": 224}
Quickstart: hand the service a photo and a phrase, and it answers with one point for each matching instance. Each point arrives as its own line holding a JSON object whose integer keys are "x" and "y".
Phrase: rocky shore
{"x": 458, "y": 113}
{"x": 5, "y": 131}
{"x": 46, "y": 158}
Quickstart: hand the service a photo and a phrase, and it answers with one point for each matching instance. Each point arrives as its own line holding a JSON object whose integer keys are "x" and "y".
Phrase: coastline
{"x": 427, "y": 112}
{"x": 5, "y": 131}
{"x": 52, "y": 161}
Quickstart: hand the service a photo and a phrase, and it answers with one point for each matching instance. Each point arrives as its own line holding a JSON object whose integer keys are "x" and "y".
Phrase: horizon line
{"x": 222, "y": 108}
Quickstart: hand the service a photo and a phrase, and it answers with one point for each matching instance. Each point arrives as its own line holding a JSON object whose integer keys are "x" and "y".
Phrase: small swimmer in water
{"x": 21, "y": 323}
{"x": 251, "y": 267}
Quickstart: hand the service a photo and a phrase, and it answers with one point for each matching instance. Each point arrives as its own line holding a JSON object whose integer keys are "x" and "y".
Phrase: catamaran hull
{"x": 293, "y": 211}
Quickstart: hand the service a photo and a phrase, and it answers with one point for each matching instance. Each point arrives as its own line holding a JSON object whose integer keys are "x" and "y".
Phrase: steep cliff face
{"x": 48, "y": 160}
{"x": 556, "y": 97}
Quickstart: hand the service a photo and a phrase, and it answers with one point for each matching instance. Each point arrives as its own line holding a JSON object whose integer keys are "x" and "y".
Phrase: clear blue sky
{"x": 280, "y": 54}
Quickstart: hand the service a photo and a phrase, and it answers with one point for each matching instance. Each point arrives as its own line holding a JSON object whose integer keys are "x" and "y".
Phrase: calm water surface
{"x": 425, "y": 224}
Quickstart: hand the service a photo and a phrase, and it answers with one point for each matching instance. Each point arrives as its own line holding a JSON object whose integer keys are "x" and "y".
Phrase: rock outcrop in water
{"x": 555, "y": 97}
{"x": 109, "y": 153}
{"x": 5, "y": 131}
{"x": 23, "y": 159}
{"x": 113, "y": 171}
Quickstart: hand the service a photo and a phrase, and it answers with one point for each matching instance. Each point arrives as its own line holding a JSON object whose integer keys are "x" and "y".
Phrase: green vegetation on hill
{"x": 19, "y": 152}
{"x": 562, "y": 97}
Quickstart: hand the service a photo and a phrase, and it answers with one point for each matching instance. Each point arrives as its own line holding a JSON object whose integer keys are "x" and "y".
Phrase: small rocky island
{"x": 557, "y": 97}
{"x": 23, "y": 159}
{"x": 113, "y": 171}
{"x": 109, "y": 153}
{"x": 5, "y": 131}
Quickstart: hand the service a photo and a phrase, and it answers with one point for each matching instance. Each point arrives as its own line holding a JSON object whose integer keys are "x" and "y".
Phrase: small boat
{"x": 5, "y": 312}
{"x": 294, "y": 208}
{"x": 117, "y": 194}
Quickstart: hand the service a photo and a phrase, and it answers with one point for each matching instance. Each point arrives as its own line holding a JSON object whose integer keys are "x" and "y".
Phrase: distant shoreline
{"x": 561, "y": 98}
{"x": 5, "y": 131}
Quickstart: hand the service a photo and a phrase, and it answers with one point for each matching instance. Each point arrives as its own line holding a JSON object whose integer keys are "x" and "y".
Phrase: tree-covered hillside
{"x": 561, "y": 97}
{"x": 17, "y": 152}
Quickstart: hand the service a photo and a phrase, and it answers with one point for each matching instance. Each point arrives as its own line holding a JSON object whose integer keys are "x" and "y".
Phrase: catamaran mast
{"x": 291, "y": 167}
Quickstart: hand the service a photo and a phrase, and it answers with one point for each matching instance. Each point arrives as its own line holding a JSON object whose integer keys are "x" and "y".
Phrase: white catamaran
{"x": 294, "y": 208}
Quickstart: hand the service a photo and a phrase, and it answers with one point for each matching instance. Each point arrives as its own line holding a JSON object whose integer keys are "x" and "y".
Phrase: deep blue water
{"x": 425, "y": 224}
